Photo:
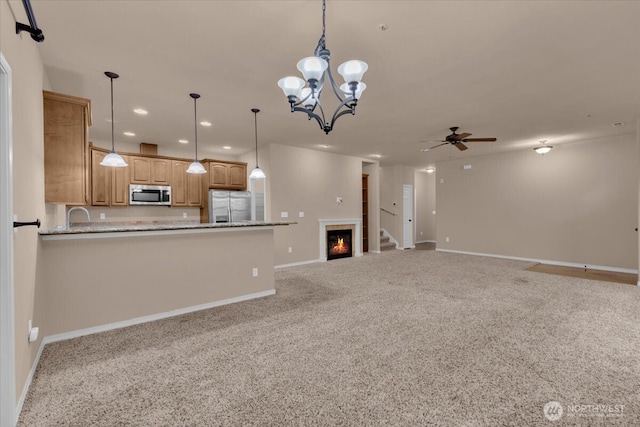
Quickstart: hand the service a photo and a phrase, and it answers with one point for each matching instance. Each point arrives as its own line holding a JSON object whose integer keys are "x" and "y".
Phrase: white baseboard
{"x": 125, "y": 323}
{"x": 425, "y": 241}
{"x": 294, "y": 264}
{"x": 547, "y": 261}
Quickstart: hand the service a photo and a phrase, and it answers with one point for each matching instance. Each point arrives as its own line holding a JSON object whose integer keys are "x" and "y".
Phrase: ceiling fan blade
{"x": 460, "y": 146}
{"x": 479, "y": 139}
{"x": 462, "y": 136}
{"x": 432, "y": 141}
{"x": 431, "y": 148}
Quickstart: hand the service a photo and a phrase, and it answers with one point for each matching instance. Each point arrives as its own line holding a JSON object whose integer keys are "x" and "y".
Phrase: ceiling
{"x": 520, "y": 71}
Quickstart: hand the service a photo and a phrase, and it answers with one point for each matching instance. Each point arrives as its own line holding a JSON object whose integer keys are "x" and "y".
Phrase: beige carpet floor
{"x": 401, "y": 338}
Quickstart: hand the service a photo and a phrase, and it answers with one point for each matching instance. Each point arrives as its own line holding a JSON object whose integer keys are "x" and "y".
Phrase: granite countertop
{"x": 123, "y": 227}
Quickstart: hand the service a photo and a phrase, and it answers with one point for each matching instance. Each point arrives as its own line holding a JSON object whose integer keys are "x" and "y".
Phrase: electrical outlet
{"x": 290, "y": 249}
{"x": 184, "y": 215}
{"x": 103, "y": 215}
{"x": 446, "y": 239}
{"x": 255, "y": 272}
{"x": 300, "y": 214}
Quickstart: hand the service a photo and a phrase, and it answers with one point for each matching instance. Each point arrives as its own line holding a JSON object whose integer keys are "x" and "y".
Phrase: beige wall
{"x": 577, "y": 204}
{"x": 86, "y": 283}
{"x": 309, "y": 181}
{"x": 21, "y": 52}
{"x": 425, "y": 220}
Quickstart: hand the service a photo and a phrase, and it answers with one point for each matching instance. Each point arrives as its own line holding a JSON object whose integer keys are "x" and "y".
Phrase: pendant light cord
{"x": 113, "y": 144}
{"x": 322, "y": 43}
{"x": 255, "y": 125}
{"x": 195, "y": 125}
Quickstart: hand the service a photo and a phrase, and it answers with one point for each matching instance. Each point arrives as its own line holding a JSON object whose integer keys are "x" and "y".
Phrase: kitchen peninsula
{"x": 96, "y": 277}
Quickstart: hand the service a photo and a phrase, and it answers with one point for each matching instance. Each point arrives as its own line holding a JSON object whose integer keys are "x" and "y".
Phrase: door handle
{"x": 17, "y": 224}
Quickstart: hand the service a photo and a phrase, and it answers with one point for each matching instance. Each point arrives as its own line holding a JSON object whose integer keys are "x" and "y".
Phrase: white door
{"x": 407, "y": 216}
{"x": 7, "y": 334}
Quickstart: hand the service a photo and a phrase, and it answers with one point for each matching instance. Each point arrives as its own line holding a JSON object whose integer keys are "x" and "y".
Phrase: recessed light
{"x": 226, "y": 147}
{"x": 205, "y": 123}
{"x": 183, "y": 141}
{"x": 129, "y": 133}
{"x": 141, "y": 111}
{"x": 377, "y": 156}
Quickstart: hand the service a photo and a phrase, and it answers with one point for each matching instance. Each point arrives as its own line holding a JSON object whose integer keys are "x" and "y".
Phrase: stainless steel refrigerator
{"x": 229, "y": 206}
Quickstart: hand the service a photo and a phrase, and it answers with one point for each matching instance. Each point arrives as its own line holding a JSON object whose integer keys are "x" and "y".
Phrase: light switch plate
{"x": 284, "y": 214}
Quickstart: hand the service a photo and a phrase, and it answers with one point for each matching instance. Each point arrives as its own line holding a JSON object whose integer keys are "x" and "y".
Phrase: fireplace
{"x": 353, "y": 224}
{"x": 339, "y": 243}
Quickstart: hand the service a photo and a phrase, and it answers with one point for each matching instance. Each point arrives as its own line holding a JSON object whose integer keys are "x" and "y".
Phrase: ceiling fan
{"x": 457, "y": 139}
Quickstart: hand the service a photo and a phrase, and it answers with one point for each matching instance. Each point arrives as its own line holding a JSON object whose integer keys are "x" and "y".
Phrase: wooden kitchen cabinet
{"x": 186, "y": 188}
{"x": 66, "y": 148}
{"x": 150, "y": 171}
{"x": 109, "y": 186}
{"x": 227, "y": 175}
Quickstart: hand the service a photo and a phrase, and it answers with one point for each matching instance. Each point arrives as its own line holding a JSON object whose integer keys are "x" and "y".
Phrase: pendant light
{"x": 256, "y": 173}
{"x": 196, "y": 167}
{"x": 112, "y": 159}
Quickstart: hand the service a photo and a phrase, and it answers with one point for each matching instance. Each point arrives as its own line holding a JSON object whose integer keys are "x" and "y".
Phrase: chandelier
{"x": 306, "y": 99}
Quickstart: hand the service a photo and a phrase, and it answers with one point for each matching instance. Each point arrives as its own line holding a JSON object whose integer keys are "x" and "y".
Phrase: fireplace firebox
{"x": 338, "y": 244}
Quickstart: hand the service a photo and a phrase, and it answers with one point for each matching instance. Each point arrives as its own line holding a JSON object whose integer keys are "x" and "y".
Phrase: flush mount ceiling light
{"x": 112, "y": 159}
{"x": 256, "y": 173}
{"x": 544, "y": 148}
{"x": 129, "y": 133}
{"x": 196, "y": 167}
{"x": 307, "y": 99}
{"x": 141, "y": 111}
{"x": 430, "y": 170}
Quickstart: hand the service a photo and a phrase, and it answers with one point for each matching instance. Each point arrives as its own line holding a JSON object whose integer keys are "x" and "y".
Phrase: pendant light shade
{"x": 196, "y": 167}
{"x": 256, "y": 173}
{"x": 112, "y": 159}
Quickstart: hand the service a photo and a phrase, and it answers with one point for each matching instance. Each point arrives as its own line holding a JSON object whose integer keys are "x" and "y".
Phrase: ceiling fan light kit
{"x": 314, "y": 69}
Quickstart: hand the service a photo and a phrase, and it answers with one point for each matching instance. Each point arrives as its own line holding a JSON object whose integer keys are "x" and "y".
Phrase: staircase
{"x": 385, "y": 242}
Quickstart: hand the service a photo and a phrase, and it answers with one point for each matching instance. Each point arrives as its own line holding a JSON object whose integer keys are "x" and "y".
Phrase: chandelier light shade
{"x": 112, "y": 159}
{"x": 544, "y": 148}
{"x": 256, "y": 173}
{"x": 315, "y": 69}
{"x": 196, "y": 167}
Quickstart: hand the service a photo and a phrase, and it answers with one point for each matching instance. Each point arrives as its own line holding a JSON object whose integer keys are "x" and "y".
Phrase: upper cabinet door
{"x": 140, "y": 170}
{"x": 238, "y": 176}
{"x": 228, "y": 175}
{"x": 160, "y": 171}
{"x": 66, "y": 148}
{"x": 218, "y": 175}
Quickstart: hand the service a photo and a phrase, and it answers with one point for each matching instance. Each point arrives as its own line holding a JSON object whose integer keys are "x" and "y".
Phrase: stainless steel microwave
{"x": 158, "y": 195}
